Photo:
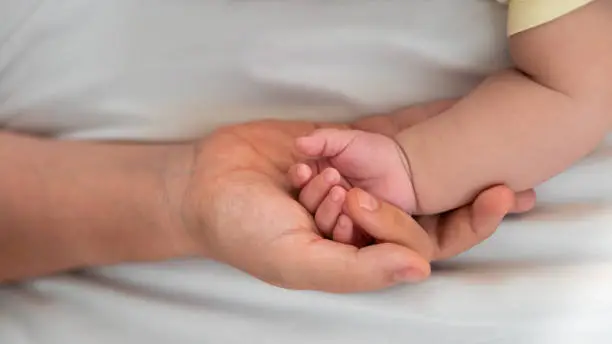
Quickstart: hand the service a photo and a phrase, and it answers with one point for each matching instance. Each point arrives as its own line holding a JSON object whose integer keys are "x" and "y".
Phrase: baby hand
{"x": 372, "y": 162}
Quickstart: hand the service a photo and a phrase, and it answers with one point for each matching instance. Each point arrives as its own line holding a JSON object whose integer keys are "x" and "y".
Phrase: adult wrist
{"x": 70, "y": 205}
{"x": 175, "y": 181}
{"x": 144, "y": 222}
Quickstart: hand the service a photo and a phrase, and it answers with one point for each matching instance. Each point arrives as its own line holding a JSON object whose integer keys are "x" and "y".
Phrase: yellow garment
{"x": 527, "y": 14}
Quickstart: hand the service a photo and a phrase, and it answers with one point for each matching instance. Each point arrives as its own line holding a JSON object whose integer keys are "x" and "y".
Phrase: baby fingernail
{"x": 366, "y": 201}
{"x": 343, "y": 221}
{"x": 331, "y": 176}
{"x": 302, "y": 171}
{"x": 337, "y": 194}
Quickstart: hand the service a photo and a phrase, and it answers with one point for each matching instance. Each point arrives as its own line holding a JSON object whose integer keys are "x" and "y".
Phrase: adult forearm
{"x": 67, "y": 205}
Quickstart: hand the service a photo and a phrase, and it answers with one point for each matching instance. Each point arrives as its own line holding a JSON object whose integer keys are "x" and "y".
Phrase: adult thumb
{"x": 334, "y": 267}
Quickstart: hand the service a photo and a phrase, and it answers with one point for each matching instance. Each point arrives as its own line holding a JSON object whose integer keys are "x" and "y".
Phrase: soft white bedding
{"x": 153, "y": 69}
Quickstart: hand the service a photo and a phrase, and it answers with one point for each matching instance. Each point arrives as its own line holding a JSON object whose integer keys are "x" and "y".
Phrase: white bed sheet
{"x": 115, "y": 69}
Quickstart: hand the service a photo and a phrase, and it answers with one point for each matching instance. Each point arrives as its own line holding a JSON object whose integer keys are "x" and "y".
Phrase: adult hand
{"x": 240, "y": 209}
{"x": 437, "y": 237}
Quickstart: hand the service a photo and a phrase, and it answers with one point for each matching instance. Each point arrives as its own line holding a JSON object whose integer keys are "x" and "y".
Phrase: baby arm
{"x": 522, "y": 126}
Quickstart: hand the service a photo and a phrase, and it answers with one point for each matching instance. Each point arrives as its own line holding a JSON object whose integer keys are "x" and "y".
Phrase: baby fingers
{"x": 330, "y": 209}
{"x": 315, "y": 191}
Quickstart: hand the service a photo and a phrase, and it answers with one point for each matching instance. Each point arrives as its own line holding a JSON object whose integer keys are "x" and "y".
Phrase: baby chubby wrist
{"x": 410, "y": 147}
{"x": 411, "y": 199}
{"x": 424, "y": 162}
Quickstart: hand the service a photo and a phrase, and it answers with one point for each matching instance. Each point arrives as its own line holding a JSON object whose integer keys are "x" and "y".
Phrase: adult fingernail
{"x": 409, "y": 275}
{"x": 524, "y": 202}
{"x": 366, "y": 201}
